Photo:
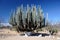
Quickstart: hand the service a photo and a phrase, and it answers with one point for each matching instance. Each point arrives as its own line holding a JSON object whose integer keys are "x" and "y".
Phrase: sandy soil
{"x": 29, "y": 38}
{"x": 6, "y": 34}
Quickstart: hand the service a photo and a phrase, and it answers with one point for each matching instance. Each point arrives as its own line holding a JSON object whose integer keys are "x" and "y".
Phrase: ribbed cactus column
{"x": 41, "y": 19}
{"x": 34, "y": 13}
{"x": 18, "y": 16}
{"x": 12, "y": 19}
{"x": 28, "y": 14}
{"x": 19, "y": 19}
{"x": 46, "y": 22}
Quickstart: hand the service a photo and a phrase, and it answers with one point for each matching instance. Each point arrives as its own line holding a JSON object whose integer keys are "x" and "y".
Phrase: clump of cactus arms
{"x": 27, "y": 18}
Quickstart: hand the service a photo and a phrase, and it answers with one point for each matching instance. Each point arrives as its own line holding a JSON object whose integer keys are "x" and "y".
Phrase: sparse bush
{"x": 39, "y": 30}
{"x": 53, "y": 31}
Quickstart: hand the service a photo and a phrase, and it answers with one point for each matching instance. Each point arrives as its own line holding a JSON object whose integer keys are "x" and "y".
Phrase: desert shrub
{"x": 53, "y": 31}
{"x": 39, "y": 30}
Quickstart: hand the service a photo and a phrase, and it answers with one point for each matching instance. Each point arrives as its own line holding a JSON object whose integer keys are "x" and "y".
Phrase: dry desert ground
{"x": 6, "y": 34}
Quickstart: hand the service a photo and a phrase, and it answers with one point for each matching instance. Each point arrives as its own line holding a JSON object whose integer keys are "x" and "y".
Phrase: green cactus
{"x": 12, "y": 20}
{"x": 41, "y": 19}
{"x": 27, "y": 19}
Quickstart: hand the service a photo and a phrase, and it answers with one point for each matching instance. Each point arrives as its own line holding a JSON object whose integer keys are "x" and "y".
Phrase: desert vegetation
{"x": 27, "y": 18}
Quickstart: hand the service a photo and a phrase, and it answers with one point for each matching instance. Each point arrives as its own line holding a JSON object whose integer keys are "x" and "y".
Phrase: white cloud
{"x": 5, "y": 24}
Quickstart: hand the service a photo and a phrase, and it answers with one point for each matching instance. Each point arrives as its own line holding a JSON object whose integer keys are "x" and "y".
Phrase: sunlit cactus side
{"x": 19, "y": 19}
{"x": 41, "y": 19}
{"x": 21, "y": 15}
{"x": 28, "y": 15}
{"x": 46, "y": 22}
{"x": 12, "y": 19}
{"x": 27, "y": 18}
{"x": 31, "y": 21}
{"x": 34, "y": 15}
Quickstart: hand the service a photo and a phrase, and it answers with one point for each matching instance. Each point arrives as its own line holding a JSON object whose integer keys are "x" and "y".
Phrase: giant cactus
{"x": 28, "y": 19}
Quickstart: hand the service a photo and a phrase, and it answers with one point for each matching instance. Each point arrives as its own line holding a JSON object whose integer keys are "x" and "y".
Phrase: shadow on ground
{"x": 36, "y": 34}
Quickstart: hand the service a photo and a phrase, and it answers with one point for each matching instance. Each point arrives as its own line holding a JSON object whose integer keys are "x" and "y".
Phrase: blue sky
{"x": 52, "y": 7}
